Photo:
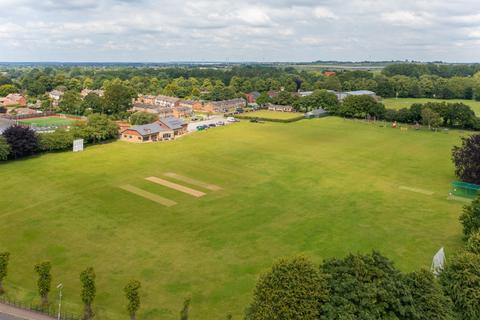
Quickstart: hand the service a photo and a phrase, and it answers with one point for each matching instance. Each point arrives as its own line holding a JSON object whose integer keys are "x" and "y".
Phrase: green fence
{"x": 464, "y": 189}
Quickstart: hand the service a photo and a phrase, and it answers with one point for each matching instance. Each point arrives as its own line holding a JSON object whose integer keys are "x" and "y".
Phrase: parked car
{"x": 202, "y": 127}
{"x": 212, "y": 125}
{"x": 254, "y": 120}
{"x": 239, "y": 110}
{"x": 231, "y": 119}
{"x": 220, "y": 123}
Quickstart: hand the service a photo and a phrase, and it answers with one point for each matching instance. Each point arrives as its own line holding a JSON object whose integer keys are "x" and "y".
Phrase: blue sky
{"x": 261, "y": 30}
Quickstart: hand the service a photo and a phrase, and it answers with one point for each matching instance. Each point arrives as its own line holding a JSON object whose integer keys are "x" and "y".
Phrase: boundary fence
{"x": 50, "y": 311}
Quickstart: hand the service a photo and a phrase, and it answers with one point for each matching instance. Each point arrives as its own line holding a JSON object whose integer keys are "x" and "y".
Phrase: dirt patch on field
{"x": 191, "y": 181}
{"x": 176, "y": 186}
{"x": 417, "y": 190}
{"x": 148, "y": 195}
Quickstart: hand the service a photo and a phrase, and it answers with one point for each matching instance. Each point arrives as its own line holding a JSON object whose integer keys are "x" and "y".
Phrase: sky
{"x": 240, "y": 30}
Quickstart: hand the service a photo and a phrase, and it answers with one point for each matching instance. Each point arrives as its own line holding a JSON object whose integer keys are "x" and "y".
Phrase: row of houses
{"x": 56, "y": 95}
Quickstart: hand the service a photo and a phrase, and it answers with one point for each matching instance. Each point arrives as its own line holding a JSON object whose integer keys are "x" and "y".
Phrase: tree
{"x": 365, "y": 287}
{"x": 284, "y": 98}
{"x": 4, "y": 149}
{"x": 6, "y": 89}
{"x": 23, "y": 141}
{"x": 92, "y": 102}
{"x": 318, "y": 99}
{"x": 133, "y": 297}
{"x": 97, "y": 128}
{"x": 4, "y": 258}
{"x": 473, "y": 243}
{"x": 87, "y": 277}
{"x": 263, "y": 99}
{"x": 71, "y": 103}
{"x": 467, "y": 159}
{"x": 360, "y": 106}
{"x": 117, "y": 98}
{"x": 429, "y": 300}
{"x": 139, "y": 118}
{"x": 431, "y": 118}
{"x": 44, "y": 280}
{"x": 461, "y": 282}
{"x": 470, "y": 218}
{"x": 291, "y": 289}
{"x": 185, "y": 309}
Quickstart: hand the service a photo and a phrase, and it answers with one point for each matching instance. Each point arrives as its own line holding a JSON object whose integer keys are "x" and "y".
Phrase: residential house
{"x": 178, "y": 126}
{"x": 22, "y": 111}
{"x": 145, "y": 99}
{"x": 85, "y": 92}
{"x": 147, "y": 133}
{"x": 224, "y": 106}
{"x": 150, "y": 108}
{"x": 166, "y": 101}
{"x": 13, "y": 99}
{"x": 55, "y": 95}
{"x": 252, "y": 96}
{"x": 182, "y": 112}
{"x": 275, "y": 107}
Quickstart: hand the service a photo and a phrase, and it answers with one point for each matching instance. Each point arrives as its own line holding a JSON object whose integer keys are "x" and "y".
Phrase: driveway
{"x": 192, "y": 126}
{"x": 4, "y": 124}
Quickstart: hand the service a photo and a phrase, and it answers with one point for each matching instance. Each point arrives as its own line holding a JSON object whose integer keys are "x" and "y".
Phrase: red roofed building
{"x": 13, "y": 99}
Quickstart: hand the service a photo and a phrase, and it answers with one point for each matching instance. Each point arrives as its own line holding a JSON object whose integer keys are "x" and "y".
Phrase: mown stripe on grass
{"x": 176, "y": 186}
{"x": 191, "y": 181}
{"x": 148, "y": 195}
{"x": 417, "y": 190}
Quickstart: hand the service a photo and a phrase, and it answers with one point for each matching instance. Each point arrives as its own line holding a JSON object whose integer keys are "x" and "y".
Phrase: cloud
{"x": 263, "y": 30}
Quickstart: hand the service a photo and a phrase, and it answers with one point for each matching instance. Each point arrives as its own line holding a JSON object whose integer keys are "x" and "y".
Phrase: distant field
{"x": 274, "y": 115}
{"x": 48, "y": 121}
{"x": 400, "y": 103}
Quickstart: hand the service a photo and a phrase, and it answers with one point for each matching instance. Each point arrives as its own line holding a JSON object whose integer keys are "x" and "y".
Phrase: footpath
{"x": 22, "y": 314}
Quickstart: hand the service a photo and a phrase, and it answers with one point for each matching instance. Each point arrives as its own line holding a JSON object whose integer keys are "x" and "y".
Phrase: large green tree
{"x": 97, "y": 128}
{"x": 470, "y": 218}
{"x": 71, "y": 103}
{"x": 117, "y": 98}
{"x": 23, "y": 141}
{"x": 360, "y": 106}
{"x": 139, "y": 118}
{"x": 461, "y": 282}
{"x": 292, "y": 289}
{"x": 467, "y": 159}
{"x": 365, "y": 287}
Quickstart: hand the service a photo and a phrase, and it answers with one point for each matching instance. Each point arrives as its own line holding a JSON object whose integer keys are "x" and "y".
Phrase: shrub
{"x": 97, "y": 128}
{"x": 470, "y": 218}
{"x": 292, "y": 289}
{"x": 89, "y": 290}
{"x": 467, "y": 159}
{"x": 461, "y": 282}
{"x": 4, "y": 149}
{"x": 133, "y": 297}
{"x": 58, "y": 140}
{"x": 473, "y": 243}
{"x": 23, "y": 141}
{"x": 44, "y": 280}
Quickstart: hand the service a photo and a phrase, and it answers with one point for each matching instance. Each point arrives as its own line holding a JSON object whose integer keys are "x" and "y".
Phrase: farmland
{"x": 322, "y": 187}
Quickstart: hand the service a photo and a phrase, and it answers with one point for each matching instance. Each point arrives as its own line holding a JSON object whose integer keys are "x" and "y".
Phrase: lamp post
{"x": 60, "y": 287}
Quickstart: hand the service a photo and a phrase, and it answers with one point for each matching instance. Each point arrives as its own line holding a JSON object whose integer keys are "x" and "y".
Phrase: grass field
{"x": 322, "y": 187}
{"x": 399, "y": 103}
{"x": 274, "y": 115}
{"x": 49, "y": 121}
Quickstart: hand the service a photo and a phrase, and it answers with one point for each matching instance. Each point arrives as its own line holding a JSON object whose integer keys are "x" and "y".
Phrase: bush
{"x": 365, "y": 287}
{"x": 473, "y": 243}
{"x": 461, "y": 282}
{"x": 467, "y": 159}
{"x": 139, "y": 118}
{"x": 470, "y": 218}
{"x": 23, "y": 141}
{"x": 4, "y": 149}
{"x": 292, "y": 289}
{"x": 58, "y": 140}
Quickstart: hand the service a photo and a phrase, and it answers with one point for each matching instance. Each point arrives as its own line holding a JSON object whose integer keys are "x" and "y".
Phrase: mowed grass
{"x": 49, "y": 121}
{"x": 320, "y": 187}
{"x": 274, "y": 115}
{"x": 400, "y": 103}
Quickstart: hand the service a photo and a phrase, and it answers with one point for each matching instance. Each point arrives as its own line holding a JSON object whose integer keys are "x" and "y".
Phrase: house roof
{"x": 255, "y": 94}
{"x": 172, "y": 122}
{"x": 360, "y": 92}
{"x": 147, "y": 129}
